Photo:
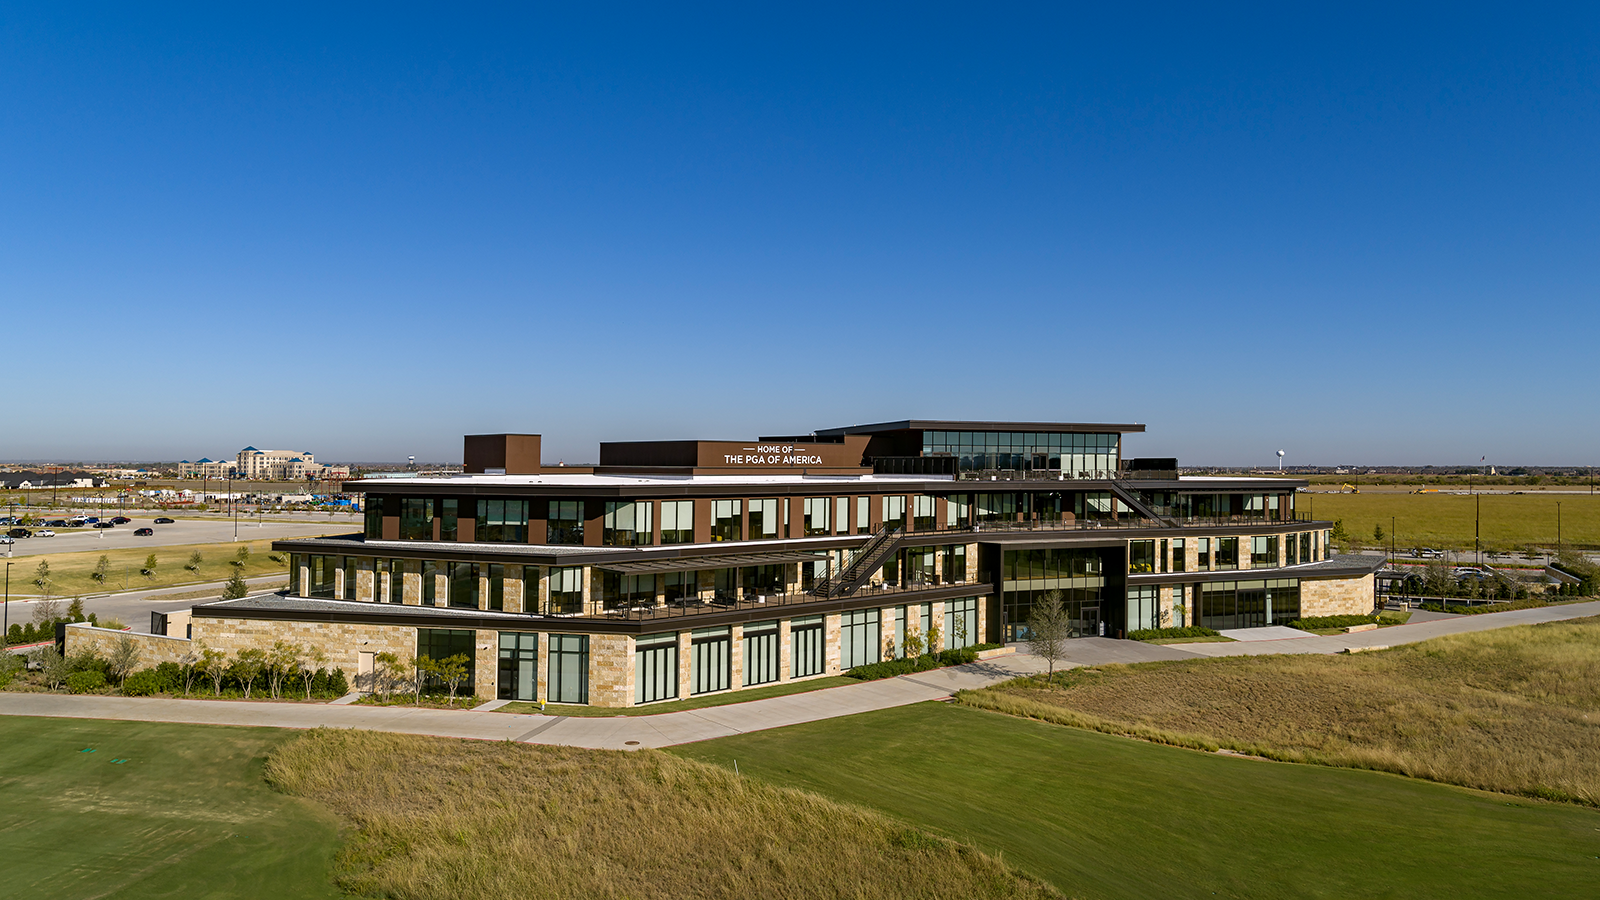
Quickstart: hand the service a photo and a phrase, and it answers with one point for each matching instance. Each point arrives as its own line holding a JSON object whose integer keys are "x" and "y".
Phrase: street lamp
{"x": 5, "y": 618}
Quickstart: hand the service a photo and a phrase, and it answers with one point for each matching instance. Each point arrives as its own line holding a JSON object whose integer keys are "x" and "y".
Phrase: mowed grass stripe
{"x": 1105, "y": 816}
{"x": 186, "y": 813}
{"x": 1509, "y": 521}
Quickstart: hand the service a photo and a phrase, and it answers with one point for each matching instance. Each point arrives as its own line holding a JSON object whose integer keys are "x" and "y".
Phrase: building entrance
{"x": 519, "y": 666}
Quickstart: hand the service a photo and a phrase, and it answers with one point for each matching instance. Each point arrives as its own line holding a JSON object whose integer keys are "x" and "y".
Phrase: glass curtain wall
{"x": 859, "y": 642}
{"x": 1073, "y": 455}
{"x": 519, "y": 666}
{"x": 626, "y": 524}
{"x": 1030, "y": 576}
{"x": 763, "y": 519}
{"x": 725, "y": 520}
{"x": 816, "y": 511}
{"x": 565, "y": 522}
{"x": 677, "y": 521}
{"x": 416, "y": 519}
{"x": 808, "y": 646}
{"x": 655, "y": 668}
{"x": 960, "y": 622}
{"x": 566, "y": 591}
{"x": 710, "y": 660}
{"x": 569, "y": 668}
{"x": 761, "y": 653}
{"x": 502, "y": 521}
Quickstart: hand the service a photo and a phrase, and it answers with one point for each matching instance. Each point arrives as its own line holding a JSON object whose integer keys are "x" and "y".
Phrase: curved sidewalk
{"x": 666, "y": 729}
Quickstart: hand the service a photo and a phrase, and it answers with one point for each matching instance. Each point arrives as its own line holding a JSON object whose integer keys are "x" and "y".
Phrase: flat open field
{"x": 186, "y": 813}
{"x": 445, "y": 818}
{"x": 1510, "y": 521}
{"x": 70, "y": 573}
{"x": 1514, "y": 709}
{"x": 1108, "y": 817}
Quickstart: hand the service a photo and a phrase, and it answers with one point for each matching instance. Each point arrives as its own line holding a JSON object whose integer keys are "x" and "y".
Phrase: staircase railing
{"x": 867, "y": 560}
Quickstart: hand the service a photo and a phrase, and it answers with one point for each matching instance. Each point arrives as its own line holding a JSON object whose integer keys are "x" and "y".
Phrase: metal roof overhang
{"x": 694, "y": 563}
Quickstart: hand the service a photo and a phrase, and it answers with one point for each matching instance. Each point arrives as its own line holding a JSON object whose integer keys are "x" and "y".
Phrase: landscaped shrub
{"x": 986, "y": 646}
{"x": 142, "y": 683}
{"x": 1168, "y": 634}
{"x": 169, "y": 677}
{"x": 1332, "y": 622}
{"x": 1479, "y": 609}
{"x": 86, "y": 681}
{"x": 86, "y": 661}
{"x": 958, "y": 656}
{"x": 891, "y": 667}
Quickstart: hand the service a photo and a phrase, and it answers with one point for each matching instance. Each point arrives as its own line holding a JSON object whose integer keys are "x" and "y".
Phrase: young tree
{"x": 422, "y": 668}
{"x": 124, "y": 658}
{"x": 1049, "y": 627}
{"x": 913, "y": 643}
{"x": 41, "y": 576}
{"x": 241, "y": 557}
{"x": 188, "y": 664}
{"x": 149, "y": 570}
{"x": 214, "y": 663}
{"x": 75, "y": 609}
{"x": 53, "y": 667}
{"x": 1377, "y": 533}
{"x": 46, "y": 612}
{"x": 195, "y": 559}
{"x": 935, "y": 640}
{"x": 311, "y": 661}
{"x": 1436, "y": 579}
{"x": 888, "y": 648}
{"x": 281, "y": 662}
{"x": 247, "y": 667}
{"x": 452, "y": 670}
{"x": 101, "y": 569}
{"x": 235, "y": 588}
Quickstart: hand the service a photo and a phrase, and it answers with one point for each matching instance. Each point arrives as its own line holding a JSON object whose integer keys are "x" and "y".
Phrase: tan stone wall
{"x": 831, "y": 646}
{"x": 785, "y": 651}
{"x": 1336, "y": 596}
{"x": 343, "y": 643}
{"x": 486, "y": 665}
{"x": 610, "y": 670}
{"x": 154, "y": 649}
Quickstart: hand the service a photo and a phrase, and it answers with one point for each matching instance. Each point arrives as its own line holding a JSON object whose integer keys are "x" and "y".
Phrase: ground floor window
{"x": 441, "y": 644}
{"x": 761, "y": 658}
{"x": 519, "y": 666}
{"x": 569, "y": 668}
{"x": 1082, "y": 606}
{"x": 655, "y": 661}
{"x": 858, "y": 638}
{"x": 710, "y": 660}
{"x": 1144, "y": 607}
{"x": 960, "y": 622}
{"x": 1249, "y": 604}
{"x": 808, "y": 650}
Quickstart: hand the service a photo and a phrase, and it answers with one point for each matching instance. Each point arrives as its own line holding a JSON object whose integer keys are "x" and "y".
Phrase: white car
{"x": 45, "y": 532}
{"x": 6, "y": 539}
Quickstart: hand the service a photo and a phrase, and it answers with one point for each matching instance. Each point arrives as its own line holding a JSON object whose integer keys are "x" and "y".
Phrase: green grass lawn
{"x": 666, "y": 706}
{"x": 1104, "y": 816}
{"x": 185, "y": 815}
{"x": 71, "y": 574}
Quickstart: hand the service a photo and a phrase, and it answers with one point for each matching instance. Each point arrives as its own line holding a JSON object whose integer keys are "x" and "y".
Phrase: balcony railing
{"x": 692, "y": 606}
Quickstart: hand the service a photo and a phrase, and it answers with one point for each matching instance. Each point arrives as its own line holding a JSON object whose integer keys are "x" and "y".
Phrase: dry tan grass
{"x": 443, "y": 818}
{"x": 1514, "y": 710}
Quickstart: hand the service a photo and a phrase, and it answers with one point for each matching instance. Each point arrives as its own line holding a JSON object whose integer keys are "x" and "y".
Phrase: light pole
{"x": 1558, "y": 529}
{"x": 5, "y": 618}
{"x": 233, "y": 508}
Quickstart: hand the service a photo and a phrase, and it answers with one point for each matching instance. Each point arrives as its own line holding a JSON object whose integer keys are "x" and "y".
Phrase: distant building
{"x": 206, "y": 468}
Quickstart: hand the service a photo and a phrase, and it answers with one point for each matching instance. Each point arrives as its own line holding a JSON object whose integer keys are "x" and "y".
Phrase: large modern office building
{"x": 678, "y": 568}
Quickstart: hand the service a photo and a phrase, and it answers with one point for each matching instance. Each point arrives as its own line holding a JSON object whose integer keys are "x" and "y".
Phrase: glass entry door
{"x": 519, "y": 666}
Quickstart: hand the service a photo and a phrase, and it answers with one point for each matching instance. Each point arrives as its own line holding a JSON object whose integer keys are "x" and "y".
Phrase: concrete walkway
{"x": 666, "y": 729}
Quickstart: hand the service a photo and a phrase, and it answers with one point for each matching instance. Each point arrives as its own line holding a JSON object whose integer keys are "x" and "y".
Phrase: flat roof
{"x": 961, "y": 425}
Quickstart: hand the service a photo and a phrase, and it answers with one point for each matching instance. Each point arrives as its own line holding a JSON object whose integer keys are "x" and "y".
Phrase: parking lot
{"x": 183, "y": 531}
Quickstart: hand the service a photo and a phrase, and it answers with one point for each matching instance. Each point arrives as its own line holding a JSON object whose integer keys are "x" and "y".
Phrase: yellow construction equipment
{"x": 1349, "y": 489}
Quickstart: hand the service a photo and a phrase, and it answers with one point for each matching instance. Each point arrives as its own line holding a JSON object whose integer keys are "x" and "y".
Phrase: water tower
{"x": 1280, "y": 460}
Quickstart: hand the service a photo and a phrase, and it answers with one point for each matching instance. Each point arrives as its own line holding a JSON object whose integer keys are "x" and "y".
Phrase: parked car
{"x": 44, "y": 533}
{"x": 1428, "y": 553}
{"x": 143, "y": 532}
{"x": 163, "y": 520}
{"x": 105, "y": 525}
{"x": 57, "y": 523}
{"x": 19, "y": 533}
{"x": 6, "y": 539}
{"x": 120, "y": 520}
{"x": 90, "y": 520}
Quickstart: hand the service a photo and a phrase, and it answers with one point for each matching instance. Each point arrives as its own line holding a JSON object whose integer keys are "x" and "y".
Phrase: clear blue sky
{"x": 1361, "y": 234}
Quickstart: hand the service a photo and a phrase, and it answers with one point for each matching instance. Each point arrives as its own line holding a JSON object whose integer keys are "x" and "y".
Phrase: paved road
{"x": 629, "y": 732}
{"x": 183, "y": 531}
{"x": 133, "y": 607}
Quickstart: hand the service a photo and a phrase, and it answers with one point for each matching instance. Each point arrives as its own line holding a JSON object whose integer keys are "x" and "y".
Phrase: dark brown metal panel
{"x": 516, "y": 454}
{"x": 391, "y": 528}
{"x": 467, "y": 521}
{"x": 594, "y": 516}
{"x": 702, "y": 521}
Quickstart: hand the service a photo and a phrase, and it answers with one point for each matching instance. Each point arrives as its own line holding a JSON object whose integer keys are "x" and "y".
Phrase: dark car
{"x": 105, "y": 525}
{"x": 19, "y": 532}
{"x": 56, "y": 523}
{"x": 120, "y": 520}
{"x": 163, "y": 520}
{"x": 143, "y": 532}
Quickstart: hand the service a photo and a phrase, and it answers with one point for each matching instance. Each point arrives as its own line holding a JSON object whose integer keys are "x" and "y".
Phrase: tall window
{"x": 655, "y": 668}
{"x": 566, "y": 591}
{"x": 763, "y": 519}
{"x": 894, "y": 511}
{"x": 502, "y": 521}
{"x": 430, "y": 582}
{"x": 710, "y": 660}
{"x": 922, "y": 509}
{"x": 841, "y": 520}
{"x": 372, "y": 516}
{"x": 960, "y": 622}
{"x": 323, "y": 570}
{"x": 1179, "y": 555}
{"x": 957, "y": 513}
{"x": 464, "y": 584}
{"x": 920, "y": 565}
{"x": 677, "y": 521}
{"x": 817, "y": 511}
{"x": 1263, "y": 551}
{"x": 519, "y": 666}
{"x": 761, "y": 658}
{"x": 955, "y": 564}
{"x": 1227, "y": 553}
{"x": 858, "y": 638}
{"x": 443, "y": 643}
{"x": 447, "y": 518}
{"x": 1205, "y": 555}
{"x": 565, "y": 524}
{"x": 725, "y": 524}
{"x": 1144, "y": 607}
{"x": 1141, "y": 556}
{"x": 808, "y": 646}
{"x": 569, "y": 668}
{"x": 347, "y": 565}
{"x": 626, "y": 524}
{"x": 1305, "y": 547}
{"x": 416, "y": 519}
{"x": 497, "y": 587}
{"x": 863, "y": 515}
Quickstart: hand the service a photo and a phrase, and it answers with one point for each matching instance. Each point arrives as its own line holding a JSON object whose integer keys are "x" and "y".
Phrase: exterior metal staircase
{"x": 869, "y": 559}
